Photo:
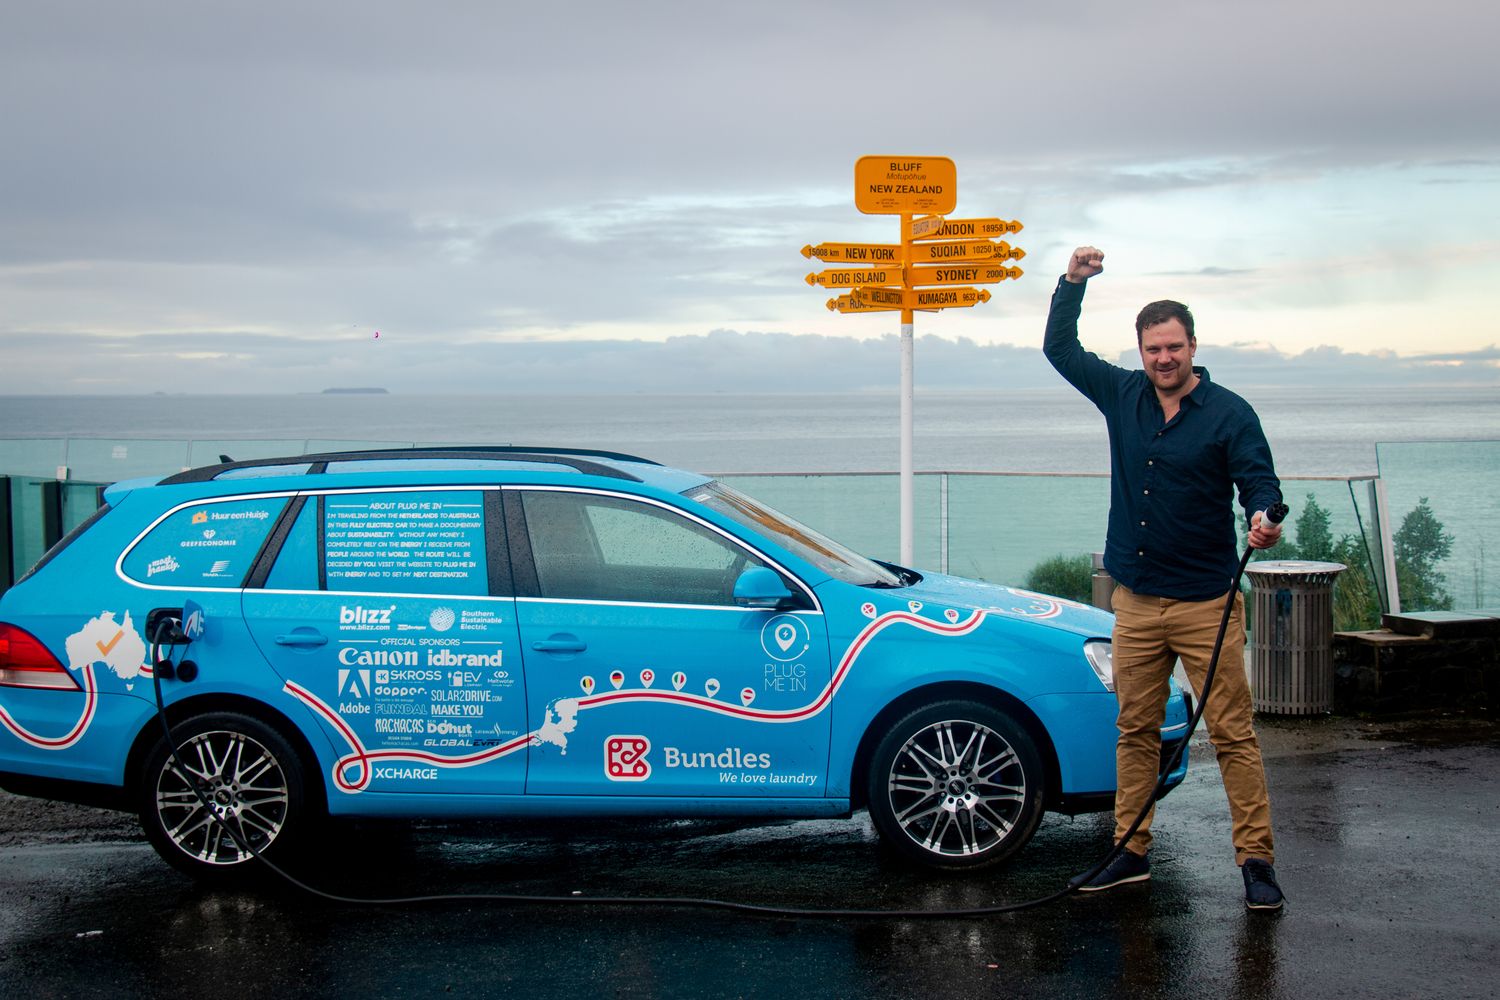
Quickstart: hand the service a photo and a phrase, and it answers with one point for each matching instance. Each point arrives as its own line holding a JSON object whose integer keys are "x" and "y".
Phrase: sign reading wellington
{"x": 897, "y": 185}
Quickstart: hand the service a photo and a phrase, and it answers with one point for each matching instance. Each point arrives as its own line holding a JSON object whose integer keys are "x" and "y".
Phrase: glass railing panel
{"x": 110, "y": 460}
{"x": 32, "y": 456}
{"x": 863, "y": 511}
{"x": 208, "y": 452}
{"x": 1460, "y": 481}
{"x": 1000, "y": 527}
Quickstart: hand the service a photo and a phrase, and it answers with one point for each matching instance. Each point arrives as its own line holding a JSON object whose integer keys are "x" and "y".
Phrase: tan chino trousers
{"x": 1150, "y": 634}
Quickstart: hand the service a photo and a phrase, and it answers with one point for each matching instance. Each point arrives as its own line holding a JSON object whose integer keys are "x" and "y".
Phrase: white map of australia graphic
{"x": 104, "y": 640}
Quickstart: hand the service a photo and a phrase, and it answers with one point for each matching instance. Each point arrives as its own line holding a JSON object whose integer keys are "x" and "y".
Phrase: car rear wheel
{"x": 956, "y": 785}
{"x": 252, "y": 796}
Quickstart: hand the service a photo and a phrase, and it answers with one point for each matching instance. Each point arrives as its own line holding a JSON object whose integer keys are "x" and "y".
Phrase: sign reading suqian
{"x": 899, "y": 185}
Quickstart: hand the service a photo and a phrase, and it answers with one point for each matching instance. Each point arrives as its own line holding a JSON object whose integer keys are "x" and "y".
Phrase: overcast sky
{"x": 243, "y": 195}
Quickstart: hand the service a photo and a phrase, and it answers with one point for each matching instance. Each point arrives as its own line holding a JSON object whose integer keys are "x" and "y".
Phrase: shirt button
{"x": 1140, "y": 552}
{"x": 1146, "y": 492}
{"x": 1143, "y": 524}
{"x": 1150, "y": 461}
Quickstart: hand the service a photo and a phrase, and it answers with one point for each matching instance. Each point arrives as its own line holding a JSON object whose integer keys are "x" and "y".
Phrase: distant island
{"x": 363, "y": 390}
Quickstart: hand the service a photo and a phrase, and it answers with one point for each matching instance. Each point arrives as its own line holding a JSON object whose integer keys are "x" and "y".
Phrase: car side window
{"x": 207, "y": 544}
{"x": 405, "y": 541}
{"x": 591, "y": 547}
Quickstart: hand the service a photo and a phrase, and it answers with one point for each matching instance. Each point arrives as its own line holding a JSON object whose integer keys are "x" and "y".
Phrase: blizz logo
{"x": 625, "y": 758}
{"x": 365, "y": 616}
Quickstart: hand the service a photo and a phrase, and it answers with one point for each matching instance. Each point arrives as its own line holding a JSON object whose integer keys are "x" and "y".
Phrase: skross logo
{"x": 625, "y": 758}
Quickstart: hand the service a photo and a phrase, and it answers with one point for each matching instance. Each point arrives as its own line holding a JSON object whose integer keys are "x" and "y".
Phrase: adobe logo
{"x": 625, "y": 758}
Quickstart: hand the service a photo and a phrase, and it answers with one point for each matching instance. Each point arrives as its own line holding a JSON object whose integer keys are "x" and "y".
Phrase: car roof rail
{"x": 580, "y": 459}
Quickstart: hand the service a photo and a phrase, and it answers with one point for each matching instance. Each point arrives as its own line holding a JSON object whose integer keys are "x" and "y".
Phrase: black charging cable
{"x": 1275, "y": 514}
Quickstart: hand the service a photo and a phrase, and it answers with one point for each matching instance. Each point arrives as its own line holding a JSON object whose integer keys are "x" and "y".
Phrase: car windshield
{"x": 836, "y": 560}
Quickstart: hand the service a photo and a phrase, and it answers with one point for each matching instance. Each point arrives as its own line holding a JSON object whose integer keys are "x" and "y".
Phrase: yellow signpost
{"x": 923, "y": 191}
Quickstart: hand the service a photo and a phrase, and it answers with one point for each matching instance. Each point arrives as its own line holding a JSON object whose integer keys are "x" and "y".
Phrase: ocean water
{"x": 1332, "y": 432}
{"x": 1442, "y": 445}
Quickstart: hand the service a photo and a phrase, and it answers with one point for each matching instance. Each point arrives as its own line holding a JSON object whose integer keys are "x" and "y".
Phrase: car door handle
{"x": 560, "y": 644}
{"x": 302, "y": 639}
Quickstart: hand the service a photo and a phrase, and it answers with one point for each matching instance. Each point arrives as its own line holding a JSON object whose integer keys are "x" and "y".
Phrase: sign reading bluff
{"x": 896, "y": 185}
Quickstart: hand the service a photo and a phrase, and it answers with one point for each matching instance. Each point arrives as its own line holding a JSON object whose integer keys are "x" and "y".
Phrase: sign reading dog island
{"x": 896, "y": 185}
{"x": 922, "y": 190}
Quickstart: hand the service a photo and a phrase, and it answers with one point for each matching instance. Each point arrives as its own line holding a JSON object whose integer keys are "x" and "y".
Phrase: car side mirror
{"x": 761, "y": 587}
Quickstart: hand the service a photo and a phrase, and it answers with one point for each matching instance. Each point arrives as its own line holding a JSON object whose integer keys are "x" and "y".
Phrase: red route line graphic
{"x": 91, "y": 702}
{"x": 362, "y": 759}
{"x": 791, "y": 714}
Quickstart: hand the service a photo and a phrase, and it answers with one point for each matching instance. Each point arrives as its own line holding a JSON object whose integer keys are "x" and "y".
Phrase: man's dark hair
{"x": 1160, "y": 312}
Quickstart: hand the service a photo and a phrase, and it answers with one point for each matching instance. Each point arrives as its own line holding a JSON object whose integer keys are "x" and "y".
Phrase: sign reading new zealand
{"x": 897, "y": 185}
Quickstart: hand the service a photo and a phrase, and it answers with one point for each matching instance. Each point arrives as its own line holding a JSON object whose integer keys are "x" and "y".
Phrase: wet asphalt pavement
{"x": 1386, "y": 840}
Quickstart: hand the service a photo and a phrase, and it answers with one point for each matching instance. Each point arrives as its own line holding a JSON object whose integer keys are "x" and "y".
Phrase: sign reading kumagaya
{"x": 897, "y": 185}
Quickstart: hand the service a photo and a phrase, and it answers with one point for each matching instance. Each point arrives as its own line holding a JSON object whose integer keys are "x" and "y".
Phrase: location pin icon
{"x": 747, "y": 696}
{"x": 616, "y": 678}
{"x": 785, "y": 634}
{"x": 647, "y": 676}
{"x": 678, "y": 680}
{"x": 952, "y": 615}
{"x": 587, "y": 684}
{"x": 711, "y": 686}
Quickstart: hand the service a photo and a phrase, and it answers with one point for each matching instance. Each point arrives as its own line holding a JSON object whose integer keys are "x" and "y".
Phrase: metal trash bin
{"x": 1291, "y": 641}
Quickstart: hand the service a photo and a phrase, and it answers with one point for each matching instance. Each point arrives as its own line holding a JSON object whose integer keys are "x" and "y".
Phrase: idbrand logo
{"x": 359, "y": 615}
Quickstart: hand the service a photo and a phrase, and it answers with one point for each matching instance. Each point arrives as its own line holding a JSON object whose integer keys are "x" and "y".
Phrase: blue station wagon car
{"x": 477, "y": 632}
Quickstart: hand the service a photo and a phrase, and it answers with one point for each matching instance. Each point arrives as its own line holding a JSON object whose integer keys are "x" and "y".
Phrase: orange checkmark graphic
{"x": 104, "y": 648}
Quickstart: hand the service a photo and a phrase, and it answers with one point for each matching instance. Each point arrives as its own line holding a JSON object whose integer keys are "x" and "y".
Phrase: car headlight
{"x": 1100, "y": 654}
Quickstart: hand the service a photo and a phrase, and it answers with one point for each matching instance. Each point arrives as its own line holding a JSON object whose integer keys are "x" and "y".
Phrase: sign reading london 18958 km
{"x": 894, "y": 185}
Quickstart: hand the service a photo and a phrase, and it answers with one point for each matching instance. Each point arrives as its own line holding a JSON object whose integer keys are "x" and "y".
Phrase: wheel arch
{"x": 316, "y": 792}
{"x": 949, "y": 691}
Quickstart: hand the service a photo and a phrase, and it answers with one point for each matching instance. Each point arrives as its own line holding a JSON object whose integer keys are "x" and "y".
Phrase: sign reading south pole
{"x": 901, "y": 185}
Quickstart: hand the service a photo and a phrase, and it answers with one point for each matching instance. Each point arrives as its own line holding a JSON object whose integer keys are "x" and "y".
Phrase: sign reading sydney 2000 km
{"x": 891, "y": 185}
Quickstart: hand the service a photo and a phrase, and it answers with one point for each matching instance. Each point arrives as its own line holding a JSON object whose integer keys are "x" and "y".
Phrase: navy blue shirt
{"x": 1171, "y": 514}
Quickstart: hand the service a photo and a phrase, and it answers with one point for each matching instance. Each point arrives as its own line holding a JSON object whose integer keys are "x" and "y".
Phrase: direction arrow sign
{"x": 849, "y": 304}
{"x": 855, "y": 253}
{"x": 849, "y": 277}
{"x": 896, "y": 185}
{"x": 945, "y": 298}
{"x": 968, "y": 229}
{"x": 919, "y": 298}
{"x": 960, "y": 250}
{"x": 980, "y": 272}
{"x": 926, "y": 227}
{"x": 891, "y": 297}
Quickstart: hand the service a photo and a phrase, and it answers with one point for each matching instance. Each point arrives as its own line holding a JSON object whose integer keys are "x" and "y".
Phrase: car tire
{"x": 956, "y": 785}
{"x": 251, "y": 775}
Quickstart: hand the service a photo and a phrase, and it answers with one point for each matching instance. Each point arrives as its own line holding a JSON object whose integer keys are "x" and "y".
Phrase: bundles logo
{"x": 625, "y": 758}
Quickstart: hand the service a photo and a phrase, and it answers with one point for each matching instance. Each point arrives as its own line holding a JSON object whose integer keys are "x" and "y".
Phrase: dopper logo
{"x": 625, "y": 758}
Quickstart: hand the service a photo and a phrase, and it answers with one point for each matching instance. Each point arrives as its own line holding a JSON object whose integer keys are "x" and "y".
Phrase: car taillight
{"x": 25, "y": 662}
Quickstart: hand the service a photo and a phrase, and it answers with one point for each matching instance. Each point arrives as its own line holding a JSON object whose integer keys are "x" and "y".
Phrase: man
{"x": 1179, "y": 446}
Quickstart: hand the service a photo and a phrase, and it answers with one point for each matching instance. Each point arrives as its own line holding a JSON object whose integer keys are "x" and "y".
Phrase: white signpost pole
{"x": 908, "y": 474}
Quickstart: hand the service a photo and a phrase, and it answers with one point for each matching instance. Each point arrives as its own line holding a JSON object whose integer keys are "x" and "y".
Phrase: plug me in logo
{"x": 625, "y": 758}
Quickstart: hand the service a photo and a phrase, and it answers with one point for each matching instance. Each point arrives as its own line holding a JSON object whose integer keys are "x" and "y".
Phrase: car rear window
{"x": 211, "y": 543}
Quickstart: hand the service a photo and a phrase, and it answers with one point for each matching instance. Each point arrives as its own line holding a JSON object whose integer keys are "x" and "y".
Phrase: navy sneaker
{"x": 1127, "y": 867}
{"x": 1261, "y": 890}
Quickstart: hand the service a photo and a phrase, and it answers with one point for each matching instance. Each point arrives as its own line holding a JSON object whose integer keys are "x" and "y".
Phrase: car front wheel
{"x": 956, "y": 785}
{"x": 233, "y": 790}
